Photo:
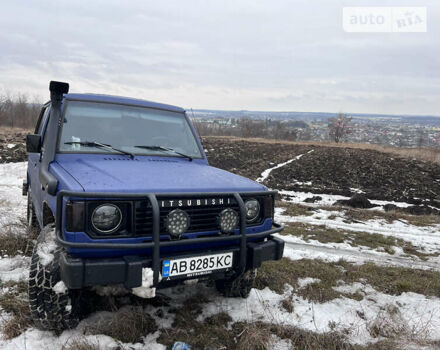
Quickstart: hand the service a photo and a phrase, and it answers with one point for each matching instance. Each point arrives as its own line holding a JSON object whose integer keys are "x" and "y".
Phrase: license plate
{"x": 197, "y": 265}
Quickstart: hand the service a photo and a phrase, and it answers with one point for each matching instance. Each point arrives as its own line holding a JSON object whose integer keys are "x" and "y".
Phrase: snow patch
{"x": 13, "y": 203}
{"x": 36, "y": 339}
{"x": 12, "y": 211}
{"x": 265, "y": 174}
{"x": 146, "y": 291}
{"x": 354, "y": 316}
{"x": 15, "y": 268}
{"x": 308, "y": 183}
{"x": 304, "y": 282}
{"x": 427, "y": 237}
{"x": 354, "y": 288}
{"x": 328, "y": 199}
{"x": 46, "y": 248}
{"x": 346, "y": 247}
{"x": 59, "y": 288}
{"x": 276, "y": 343}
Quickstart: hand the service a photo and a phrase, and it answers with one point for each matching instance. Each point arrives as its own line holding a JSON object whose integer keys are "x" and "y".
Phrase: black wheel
{"x": 31, "y": 217}
{"x": 239, "y": 286}
{"x": 52, "y": 305}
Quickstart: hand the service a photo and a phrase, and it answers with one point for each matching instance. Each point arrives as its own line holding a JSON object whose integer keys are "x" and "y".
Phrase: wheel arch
{"x": 48, "y": 214}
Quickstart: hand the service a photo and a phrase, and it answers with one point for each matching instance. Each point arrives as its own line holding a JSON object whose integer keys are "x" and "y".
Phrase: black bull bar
{"x": 156, "y": 243}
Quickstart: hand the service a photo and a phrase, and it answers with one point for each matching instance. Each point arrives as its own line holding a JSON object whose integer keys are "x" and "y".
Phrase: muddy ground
{"x": 331, "y": 170}
{"x": 12, "y": 146}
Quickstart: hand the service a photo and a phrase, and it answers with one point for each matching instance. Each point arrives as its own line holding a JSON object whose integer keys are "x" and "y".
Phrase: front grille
{"x": 202, "y": 218}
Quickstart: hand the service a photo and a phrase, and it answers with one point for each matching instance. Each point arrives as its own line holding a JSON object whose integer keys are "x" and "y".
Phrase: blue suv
{"x": 121, "y": 193}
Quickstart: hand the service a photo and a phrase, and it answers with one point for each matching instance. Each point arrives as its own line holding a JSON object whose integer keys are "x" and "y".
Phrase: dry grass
{"x": 429, "y": 154}
{"x": 190, "y": 309}
{"x": 212, "y": 333}
{"x": 390, "y": 324}
{"x": 256, "y": 336}
{"x": 277, "y": 274}
{"x": 253, "y": 336}
{"x": 390, "y": 280}
{"x": 218, "y": 332}
{"x": 15, "y": 302}
{"x": 128, "y": 325}
{"x": 390, "y": 216}
{"x": 293, "y": 209}
{"x": 16, "y": 239}
{"x": 8, "y": 130}
{"x": 287, "y": 303}
{"x": 306, "y": 340}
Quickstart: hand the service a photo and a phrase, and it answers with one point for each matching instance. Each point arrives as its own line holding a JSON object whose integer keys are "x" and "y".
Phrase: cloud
{"x": 283, "y": 55}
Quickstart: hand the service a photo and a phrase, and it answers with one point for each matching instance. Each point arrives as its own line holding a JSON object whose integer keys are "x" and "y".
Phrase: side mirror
{"x": 33, "y": 143}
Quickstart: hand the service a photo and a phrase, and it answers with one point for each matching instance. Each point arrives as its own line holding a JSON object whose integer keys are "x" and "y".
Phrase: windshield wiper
{"x": 98, "y": 144}
{"x": 166, "y": 149}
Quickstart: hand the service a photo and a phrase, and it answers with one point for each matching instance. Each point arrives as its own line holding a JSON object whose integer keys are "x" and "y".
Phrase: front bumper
{"x": 81, "y": 272}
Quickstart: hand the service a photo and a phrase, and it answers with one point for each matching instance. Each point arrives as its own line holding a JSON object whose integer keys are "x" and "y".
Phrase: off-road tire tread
{"x": 48, "y": 308}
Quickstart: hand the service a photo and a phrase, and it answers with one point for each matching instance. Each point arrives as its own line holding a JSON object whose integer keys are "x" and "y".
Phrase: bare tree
{"x": 280, "y": 131}
{"x": 18, "y": 111}
{"x": 251, "y": 128}
{"x": 339, "y": 127}
{"x": 248, "y": 127}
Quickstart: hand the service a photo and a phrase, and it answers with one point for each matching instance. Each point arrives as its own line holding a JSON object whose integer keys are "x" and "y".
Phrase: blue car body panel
{"x": 101, "y": 172}
{"x": 118, "y": 173}
{"x": 82, "y": 237}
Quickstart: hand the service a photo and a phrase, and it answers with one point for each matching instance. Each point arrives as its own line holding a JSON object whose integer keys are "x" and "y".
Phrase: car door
{"x": 34, "y": 162}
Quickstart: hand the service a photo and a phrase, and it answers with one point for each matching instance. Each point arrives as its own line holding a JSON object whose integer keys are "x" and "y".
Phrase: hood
{"x": 104, "y": 173}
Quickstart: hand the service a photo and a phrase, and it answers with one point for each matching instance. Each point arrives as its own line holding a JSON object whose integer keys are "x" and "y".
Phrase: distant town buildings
{"x": 397, "y": 131}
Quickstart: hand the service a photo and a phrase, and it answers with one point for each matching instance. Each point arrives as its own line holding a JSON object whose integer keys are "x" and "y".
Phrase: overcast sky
{"x": 255, "y": 55}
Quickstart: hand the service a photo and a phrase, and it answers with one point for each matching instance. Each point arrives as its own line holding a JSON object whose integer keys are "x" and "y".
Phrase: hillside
{"x": 331, "y": 170}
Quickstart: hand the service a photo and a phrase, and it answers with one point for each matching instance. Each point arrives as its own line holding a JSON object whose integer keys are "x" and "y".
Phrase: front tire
{"x": 237, "y": 287}
{"x": 52, "y": 306}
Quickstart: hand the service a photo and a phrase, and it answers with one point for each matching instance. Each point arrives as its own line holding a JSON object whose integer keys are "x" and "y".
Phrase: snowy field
{"x": 414, "y": 317}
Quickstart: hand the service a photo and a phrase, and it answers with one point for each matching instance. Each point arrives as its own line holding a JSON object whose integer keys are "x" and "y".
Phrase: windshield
{"x": 125, "y": 127}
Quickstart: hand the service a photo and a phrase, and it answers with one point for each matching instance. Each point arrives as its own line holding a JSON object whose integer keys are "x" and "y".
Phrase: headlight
{"x": 177, "y": 222}
{"x": 106, "y": 218}
{"x": 252, "y": 210}
{"x": 228, "y": 220}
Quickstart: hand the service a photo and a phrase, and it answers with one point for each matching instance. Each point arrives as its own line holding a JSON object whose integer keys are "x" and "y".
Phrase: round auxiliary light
{"x": 106, "y": 218}
{"x": 252, "y": 210}
{"x": 177, "y": 222}
{"x": 228, "y": 220}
